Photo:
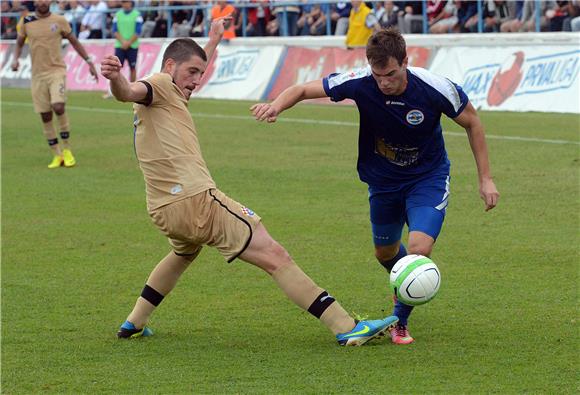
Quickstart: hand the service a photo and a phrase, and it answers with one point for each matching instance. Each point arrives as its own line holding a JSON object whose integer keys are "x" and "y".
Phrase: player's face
{"x": 187, "y": 75}
{"x": 42, "y": 7}
{"x": 392, "y": 78}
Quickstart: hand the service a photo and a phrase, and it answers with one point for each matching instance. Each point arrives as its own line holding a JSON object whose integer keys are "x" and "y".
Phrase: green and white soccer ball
{"x": 415, "y": 279}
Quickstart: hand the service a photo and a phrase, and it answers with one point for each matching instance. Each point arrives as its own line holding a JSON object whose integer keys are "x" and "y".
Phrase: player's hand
{"x": 264, "y": 112}
{"x": 219, "y": 26}
{"x": 93, "y": 71}
{"x": 488, "y": 193}
{"x": 111, "y": 67}
{"x": 15, "y": 65}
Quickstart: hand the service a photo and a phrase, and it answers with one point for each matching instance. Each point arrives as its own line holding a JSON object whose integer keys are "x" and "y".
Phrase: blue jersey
{"x": 400, "y": 137}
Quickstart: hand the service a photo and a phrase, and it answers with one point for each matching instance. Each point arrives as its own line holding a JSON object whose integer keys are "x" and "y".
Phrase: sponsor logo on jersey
{"x": 176, "y": 189}
{"x": 415, "y": 117}
{"x": 394, "y": 103}
{"x": 53, "y": 27}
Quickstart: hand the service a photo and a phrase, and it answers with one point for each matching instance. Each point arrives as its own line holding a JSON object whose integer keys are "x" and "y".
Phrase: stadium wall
{"x": 499, "y": 72}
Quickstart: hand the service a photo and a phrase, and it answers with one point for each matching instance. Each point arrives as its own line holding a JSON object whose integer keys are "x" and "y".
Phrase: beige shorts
{"x": 208, "y": 218}
{"x": 48, "y": 90}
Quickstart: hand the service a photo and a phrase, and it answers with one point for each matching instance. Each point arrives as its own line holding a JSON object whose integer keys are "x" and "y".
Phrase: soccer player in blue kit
{"x": 402, "y": 154}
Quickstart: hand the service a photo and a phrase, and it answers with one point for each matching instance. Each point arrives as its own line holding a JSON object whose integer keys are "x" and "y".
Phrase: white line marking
{"x": 303, "y": 120}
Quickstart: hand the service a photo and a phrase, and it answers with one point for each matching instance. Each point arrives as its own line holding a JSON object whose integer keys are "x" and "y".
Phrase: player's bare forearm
{"x": 210, "y": 48}
{"x": 474, "y": 129}
{"x": 122, "y": 89}
{"x": 288, "y": 98}
{"x": 76, "y": 44}
{"x": 17, "y": 52}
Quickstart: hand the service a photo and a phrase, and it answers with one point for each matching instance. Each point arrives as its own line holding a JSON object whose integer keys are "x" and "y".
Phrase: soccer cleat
{"x": 400, "y": 335}
{"x": 69, "y": 159}
{"x": 366, "y": 330}
{"x": 57, "y": 162}
{"x": 128, "y": 331}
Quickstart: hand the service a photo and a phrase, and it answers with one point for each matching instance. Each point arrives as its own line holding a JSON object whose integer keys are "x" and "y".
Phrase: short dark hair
{"x": 385, "y": 44}
{"x": 181, "y": 50}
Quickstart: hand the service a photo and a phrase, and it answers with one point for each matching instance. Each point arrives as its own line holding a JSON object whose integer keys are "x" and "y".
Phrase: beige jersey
{"x": 166, "y": 145}
{"x": 44, "y": 38}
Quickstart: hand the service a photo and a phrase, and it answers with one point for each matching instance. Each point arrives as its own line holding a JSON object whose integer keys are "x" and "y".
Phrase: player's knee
{"x": 58, "y": 108}
{"x": 420, "y": 248}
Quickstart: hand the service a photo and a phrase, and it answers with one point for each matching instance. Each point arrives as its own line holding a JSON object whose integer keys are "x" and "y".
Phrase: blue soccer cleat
{"x": 366, "y": 330}
{"x": 128, "y": 331}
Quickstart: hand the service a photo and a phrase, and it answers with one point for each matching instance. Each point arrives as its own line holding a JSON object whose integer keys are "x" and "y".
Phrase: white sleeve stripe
{"x": 440, "y": 84}
{"x": 340, "y": 79}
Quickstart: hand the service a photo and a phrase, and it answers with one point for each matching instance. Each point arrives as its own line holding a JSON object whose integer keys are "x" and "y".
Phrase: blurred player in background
{"x": 402, "y": 154}
{"x": 186, "y": 206}
{"x": 127, "y": 26}
{"x": 44, "y": 32}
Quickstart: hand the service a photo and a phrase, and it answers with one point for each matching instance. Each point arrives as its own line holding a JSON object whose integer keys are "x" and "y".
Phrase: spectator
{"x": 339, "y": 17}
{"x": 8, "y": 23}
{"x": 93, "y": 22}
{"x": 527, "y": 21}
{"x": 221, "y": 9}
{"x": 446, "y": 20}
{"x": 494, "y": 13}
{"x": 258, "y": 18}
{"x": 387, "y": 15}
{"x": 465, "y": 11}
{"x": 411, "y": 17}
{"x": 557, "y": 15}
{"x": 288, "y": 26}
{"x": 360, "y": 24}
{"x": 436, "y": 11}
{"x": 313, "y": 21}
{"x": 74, "y": 14}
{"x": 572, "y": 23}
{"x": 513, "y": 24}
{"x": 149, "y": 18}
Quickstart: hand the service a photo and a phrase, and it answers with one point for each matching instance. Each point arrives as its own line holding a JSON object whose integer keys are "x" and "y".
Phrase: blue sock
{"x": 401, "y": 310}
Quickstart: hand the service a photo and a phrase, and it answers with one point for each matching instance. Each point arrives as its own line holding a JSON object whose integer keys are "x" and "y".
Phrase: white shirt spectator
{"x": 94, "y": 19}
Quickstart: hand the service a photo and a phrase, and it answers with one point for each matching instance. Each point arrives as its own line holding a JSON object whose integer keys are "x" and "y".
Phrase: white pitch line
{"x": 306, "y": 121}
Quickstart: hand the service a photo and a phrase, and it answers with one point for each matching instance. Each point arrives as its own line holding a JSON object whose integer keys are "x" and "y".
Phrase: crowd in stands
{"x": 93, "y": 18}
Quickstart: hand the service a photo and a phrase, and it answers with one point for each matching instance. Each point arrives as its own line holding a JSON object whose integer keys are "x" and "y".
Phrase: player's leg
{"x": 57, "y": 90}
{"x": 132, "y": 60}
{"x": 159, "y": 284}
{"x": 387, "y": 212}
{"x": 178, "y": 221}
{"x": 426, "y": 204}
{"x": 41, "y": 101}
{"x": 267, "y": 254}
{"x": 240, "y": 233}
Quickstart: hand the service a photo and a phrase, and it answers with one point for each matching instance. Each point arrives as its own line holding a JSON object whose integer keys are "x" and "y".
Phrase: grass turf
{"x": 77, "y": 246}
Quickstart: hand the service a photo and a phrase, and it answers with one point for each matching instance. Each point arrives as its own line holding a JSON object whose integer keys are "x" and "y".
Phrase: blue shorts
{"x": 129, "y": 54}
{"x": 421, "y": 205}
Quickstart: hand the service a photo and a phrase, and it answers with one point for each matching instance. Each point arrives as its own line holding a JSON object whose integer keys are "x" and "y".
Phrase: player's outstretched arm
{"x": 288, "y": 98}
{"x": 83, "y": 53}
{"x": 469, "y": 120}
{"x": 122, "y": 89}
{"x": 17, "y": 52}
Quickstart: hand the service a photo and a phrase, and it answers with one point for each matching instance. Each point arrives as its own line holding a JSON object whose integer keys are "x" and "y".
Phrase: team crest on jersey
{"x": 53, "y": 27}
{"x": 247, "y": 211}
{"x": 415, "y": 117}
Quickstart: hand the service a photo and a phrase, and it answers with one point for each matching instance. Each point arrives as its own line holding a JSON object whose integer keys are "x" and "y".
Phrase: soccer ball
{"x": 415, "y": 279}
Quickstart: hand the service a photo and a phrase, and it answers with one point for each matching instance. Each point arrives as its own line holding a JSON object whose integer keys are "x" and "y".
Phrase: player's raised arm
{"x": 122, "y": 89}
{"x": 469, "y": 120}
{"x": 288, "y": 98}
{"x": 216, "y": 31}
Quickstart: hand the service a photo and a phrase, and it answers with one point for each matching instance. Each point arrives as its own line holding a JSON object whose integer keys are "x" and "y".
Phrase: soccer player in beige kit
{"x": 184, "y": 203}
{"x": 45, "y": 32}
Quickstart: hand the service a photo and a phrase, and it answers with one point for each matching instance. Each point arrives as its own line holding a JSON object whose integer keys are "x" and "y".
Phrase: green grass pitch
{"x": 77, "y": 246}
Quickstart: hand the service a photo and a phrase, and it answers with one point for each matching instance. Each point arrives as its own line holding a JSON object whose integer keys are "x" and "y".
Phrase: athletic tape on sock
{"x": 64, "y": 135}
{"x": 151, "y": 295}
{"x": 52, "y": 142}
{"x": 320, "y": 304}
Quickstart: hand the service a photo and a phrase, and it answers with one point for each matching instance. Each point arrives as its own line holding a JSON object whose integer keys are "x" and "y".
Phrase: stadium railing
{"x": 243, "y": 8}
